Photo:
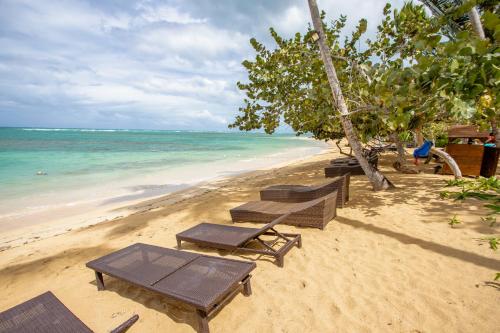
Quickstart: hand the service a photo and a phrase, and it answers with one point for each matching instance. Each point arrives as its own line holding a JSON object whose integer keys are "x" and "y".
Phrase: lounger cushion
{"x": 224, "y": 236}
{"x": 142, "y": 263}
{"x": 198, "y": 280}
{"x": 42, "y": 314}
{"x": 315, "y": 213}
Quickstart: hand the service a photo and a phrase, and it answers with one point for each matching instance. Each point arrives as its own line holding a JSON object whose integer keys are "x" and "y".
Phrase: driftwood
{"x": 448, "y": 160}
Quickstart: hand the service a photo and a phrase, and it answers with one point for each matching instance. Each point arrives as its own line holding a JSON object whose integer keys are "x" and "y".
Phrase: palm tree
{"x": 378, "y": 180}
{"x": 445, "y": 7}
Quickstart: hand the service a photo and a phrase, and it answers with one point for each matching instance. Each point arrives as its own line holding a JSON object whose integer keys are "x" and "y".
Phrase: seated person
{"x": 491, "y": 141}
{"x": 422, "y": 151}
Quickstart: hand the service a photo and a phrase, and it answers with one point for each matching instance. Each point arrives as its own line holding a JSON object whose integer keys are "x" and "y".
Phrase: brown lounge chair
{"x": 201, "y": 282}
{"x": 315, "y": 213}
{"x": 299, "y": 193}
{"x": 232, "y": 238}
{"x": 343, "y": 165}
{"x": 338, "y": 169}
{"x": 46, "y": 314}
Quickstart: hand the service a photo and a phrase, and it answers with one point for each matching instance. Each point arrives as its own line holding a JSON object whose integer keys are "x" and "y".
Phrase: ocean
{"x": 42, "y": 169}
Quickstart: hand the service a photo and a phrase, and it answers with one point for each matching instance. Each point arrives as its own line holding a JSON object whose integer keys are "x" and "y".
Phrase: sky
{"x": 169, "y": 64}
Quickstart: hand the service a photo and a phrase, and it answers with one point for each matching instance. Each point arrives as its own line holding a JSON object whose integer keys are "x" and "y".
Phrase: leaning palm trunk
{"x": 378, "y": 180}
{"x": 475, "y": 21}
{"x": 448, "y": 160}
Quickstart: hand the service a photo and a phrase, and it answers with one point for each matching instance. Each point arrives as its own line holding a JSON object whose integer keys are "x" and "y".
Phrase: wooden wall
{"x": 468, "y": 157}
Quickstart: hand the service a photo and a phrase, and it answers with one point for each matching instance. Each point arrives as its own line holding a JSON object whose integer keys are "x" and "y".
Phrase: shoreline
{"x": 74, "y": 218}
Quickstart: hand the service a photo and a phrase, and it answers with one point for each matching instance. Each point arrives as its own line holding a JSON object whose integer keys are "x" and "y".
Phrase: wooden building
{"x": 472, "y": 159}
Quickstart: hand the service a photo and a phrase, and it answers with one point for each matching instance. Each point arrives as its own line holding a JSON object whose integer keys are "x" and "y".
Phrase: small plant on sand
{"x": 493, "y": 241}
{"x": 497, "y": 276}
{"x": 494, "y": 207}
{"x": 485, "y": 189}
{"x": 481, "y": 184}
{"x": 468, "y": 193}
{"x": 490, "y": 220}
{"x": 487, "y": 184}
{"x": 444, "y": 194}
{"x": 456, "y": 182}
{"x": 454, "y": 221}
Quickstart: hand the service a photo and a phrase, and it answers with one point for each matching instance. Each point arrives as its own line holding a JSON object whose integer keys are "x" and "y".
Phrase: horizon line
{"x": 138, "y": 129}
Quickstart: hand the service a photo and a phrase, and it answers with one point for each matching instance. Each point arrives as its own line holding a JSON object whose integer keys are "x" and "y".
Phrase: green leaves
{"x": 363, "y": 24}
{"x": 454, "y": 221}
{"x": 490, "y": 20}
{"x": 493, "y": 242}
{"x": 411, "y": 75}
{"x": 486, "y": 189}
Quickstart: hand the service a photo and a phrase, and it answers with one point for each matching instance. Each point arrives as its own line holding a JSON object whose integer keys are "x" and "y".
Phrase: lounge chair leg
{"x": 202, "y": 322}
{"x": 179, "y": 246}
{"x": 99, "y": 280}
{"x": 280, "y": 261}
{"x": 247, "y": 288}
{"x": 299, "y": 242}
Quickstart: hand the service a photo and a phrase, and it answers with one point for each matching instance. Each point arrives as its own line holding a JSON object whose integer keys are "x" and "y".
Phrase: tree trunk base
{"x": 404, "y": 168}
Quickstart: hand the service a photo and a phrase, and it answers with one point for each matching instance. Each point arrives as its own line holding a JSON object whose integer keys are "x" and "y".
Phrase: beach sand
{"x": 389, "y": 262}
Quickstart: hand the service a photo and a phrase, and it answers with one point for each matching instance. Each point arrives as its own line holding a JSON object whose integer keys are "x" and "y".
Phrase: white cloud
{"x": 197, "y": 40}
{"x": 169, "y": 14}
{"x": 148, "y": 64}
{"x": 294, "y": 19}
{"x": 207, "y": 115}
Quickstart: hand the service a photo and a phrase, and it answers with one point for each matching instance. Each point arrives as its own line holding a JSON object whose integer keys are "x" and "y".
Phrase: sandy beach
{"x": 389, "y": 262}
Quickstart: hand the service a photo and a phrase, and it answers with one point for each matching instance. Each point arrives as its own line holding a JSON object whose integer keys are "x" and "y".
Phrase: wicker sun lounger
{"x": 372, "y": 159}
{"x": 342, "y": 165}
{"x": 201, "y": 282}
{"x": 315, "y": 213}
{"x": 46, "y": 314}
{"x": 232, "y": 238}
{"x": 339, "y": 169}
{"x": 299, "y": 193}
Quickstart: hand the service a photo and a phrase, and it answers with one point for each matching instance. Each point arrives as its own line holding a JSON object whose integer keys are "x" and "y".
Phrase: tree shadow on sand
{"x": 416, "y": 191}
{"x": 444, "y": 250}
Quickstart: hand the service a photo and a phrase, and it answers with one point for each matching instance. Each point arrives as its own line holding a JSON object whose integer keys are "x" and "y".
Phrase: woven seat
{"x": 45, "y": 313}
{"x": 242, "y": 239}
{"x": 300, "y": 193}
{"x": 202, "y": 282}
{"x": 337, "y": 170}
{"x": 315, "y": 213}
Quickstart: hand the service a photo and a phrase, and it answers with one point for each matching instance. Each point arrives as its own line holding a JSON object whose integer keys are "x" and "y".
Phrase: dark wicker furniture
{"x": 336, "y": 170}
{"x": 202, "y": 282}
{"x": 343, "y": 165}
{"x": 42, "y": 314}
{"x": 299, "y": 193}
{"x": 316, "y": 213}
{"x": 242, "y": 239}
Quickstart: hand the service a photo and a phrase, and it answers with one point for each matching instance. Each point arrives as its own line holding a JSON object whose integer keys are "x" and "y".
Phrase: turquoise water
{"x": 86, "y": 157}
